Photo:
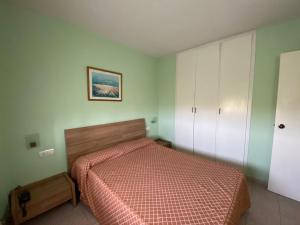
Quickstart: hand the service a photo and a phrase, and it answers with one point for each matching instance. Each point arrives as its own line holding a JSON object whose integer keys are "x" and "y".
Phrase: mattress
{"x": 141, "y": 182}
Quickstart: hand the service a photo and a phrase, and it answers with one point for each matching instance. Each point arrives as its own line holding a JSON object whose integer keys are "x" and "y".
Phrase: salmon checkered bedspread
{"x": 141, "y": 182}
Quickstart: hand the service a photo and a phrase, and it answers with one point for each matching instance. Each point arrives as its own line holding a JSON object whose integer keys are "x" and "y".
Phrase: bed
{"x": 126, "y": 178}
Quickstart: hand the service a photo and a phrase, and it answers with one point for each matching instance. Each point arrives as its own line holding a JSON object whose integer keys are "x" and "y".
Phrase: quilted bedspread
{"x": 141, "y": 182}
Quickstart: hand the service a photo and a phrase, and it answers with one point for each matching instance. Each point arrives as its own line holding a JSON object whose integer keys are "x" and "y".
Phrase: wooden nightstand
{"x": 163, "y": 142}
{"x": 45, "y": 195}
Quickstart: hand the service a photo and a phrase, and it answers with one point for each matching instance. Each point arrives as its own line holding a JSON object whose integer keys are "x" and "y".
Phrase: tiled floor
{"x": 66, "y": 215}
{"x": 267, "y": 209}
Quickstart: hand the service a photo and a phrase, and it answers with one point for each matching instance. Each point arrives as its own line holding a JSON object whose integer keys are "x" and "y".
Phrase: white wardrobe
{"x": 213, "y": 98}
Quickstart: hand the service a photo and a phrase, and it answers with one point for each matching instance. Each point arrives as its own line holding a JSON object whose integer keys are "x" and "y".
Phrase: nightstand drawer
{"x": 38, "y": 207}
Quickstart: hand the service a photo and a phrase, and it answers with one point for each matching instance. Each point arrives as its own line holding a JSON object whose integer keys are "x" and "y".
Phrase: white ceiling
{"x": 159, "y": 27}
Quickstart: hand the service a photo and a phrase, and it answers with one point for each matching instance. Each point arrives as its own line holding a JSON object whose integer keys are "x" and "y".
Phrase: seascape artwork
{"x": 104, "y": 85}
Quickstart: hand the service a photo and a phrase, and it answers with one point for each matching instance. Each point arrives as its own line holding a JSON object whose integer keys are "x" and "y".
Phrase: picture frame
{"x": 104, "y": 85}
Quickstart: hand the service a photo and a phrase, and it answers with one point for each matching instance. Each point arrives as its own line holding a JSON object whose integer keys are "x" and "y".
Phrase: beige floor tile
{"x": 289, "y": 209}
{"x": 88, "y": 214}
{"x": 244, "y": 219}
{"x": 256, "y": 217}
{"x": 63, "y": 215}
{"x": 289, "y": 221}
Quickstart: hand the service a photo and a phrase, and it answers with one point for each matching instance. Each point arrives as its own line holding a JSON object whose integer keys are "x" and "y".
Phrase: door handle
{"x": 281, "y": 126}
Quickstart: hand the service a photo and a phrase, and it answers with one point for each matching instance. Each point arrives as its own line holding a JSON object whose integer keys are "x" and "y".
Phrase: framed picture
{"x": 104, "y": 85}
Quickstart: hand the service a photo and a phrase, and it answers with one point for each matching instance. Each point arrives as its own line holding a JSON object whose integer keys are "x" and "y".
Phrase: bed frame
{"x": 84, "y": 140}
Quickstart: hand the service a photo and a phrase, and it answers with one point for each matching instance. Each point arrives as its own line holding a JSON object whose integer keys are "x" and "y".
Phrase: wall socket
{"x": 46, "y": 153}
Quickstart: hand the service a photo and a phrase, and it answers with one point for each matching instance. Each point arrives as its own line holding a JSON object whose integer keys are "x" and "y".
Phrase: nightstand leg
{"x": 74, "y": 202}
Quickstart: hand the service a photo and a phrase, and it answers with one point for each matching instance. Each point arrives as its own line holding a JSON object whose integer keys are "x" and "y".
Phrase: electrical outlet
{"x": 46, "y": 153}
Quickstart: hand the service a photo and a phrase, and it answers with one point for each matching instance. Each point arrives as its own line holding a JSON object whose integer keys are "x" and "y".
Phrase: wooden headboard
{"x": 84, "y": 140}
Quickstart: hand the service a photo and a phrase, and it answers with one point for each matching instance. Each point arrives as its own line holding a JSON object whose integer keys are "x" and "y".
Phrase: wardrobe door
{"x": 206, "y": 99}
{"x": 185, "y": 85}
{"x": 234, "y": 89}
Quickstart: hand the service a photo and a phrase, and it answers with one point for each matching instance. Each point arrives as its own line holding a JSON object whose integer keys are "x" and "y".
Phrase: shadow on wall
{"x": 256, "y": 173}
{"x": 213, "y": 159}
{"x": 6, "y": 214}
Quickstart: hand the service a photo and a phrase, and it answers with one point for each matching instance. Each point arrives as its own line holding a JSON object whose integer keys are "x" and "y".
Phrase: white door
{"x": 233, "y": 99}
{"x": 206, "y": 99}
{"x": 185, "y": 86}
{"x": 284, "y": 176}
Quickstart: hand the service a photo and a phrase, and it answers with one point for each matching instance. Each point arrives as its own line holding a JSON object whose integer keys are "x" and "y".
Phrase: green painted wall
{"x": 5, "y": 181}
{"x": 45, "y": 89}
{"x": 166, "y": 71}
{"x": 270, "y": 42}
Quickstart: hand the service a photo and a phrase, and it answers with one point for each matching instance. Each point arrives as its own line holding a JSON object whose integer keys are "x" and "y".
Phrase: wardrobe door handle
{"x": 192, "y": 109}
{"x": 195, "y": 110}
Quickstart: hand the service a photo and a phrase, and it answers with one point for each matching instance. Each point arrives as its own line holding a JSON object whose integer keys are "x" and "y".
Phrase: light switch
{"x": 46, "y": 153}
